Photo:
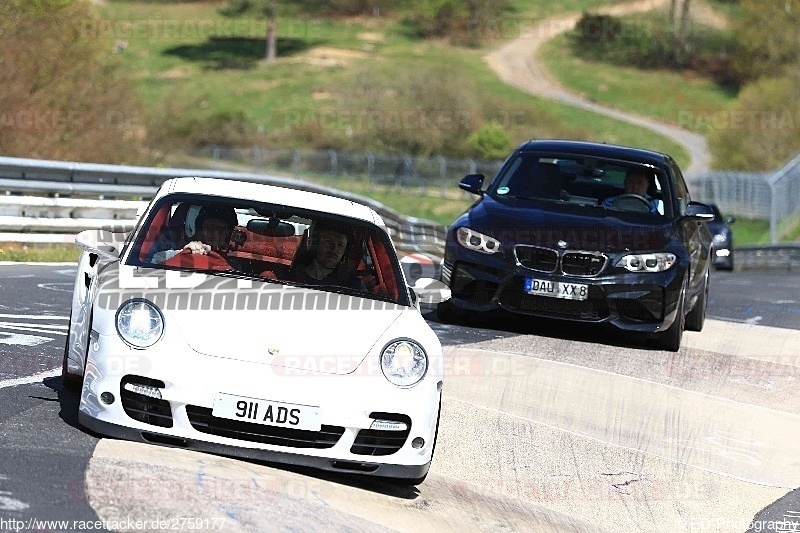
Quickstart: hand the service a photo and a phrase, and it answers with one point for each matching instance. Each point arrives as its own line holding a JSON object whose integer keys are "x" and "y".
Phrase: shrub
{"x": 762, "y": 130}
{"x": 490, "y": 142}
{"x": 649, "y": 41}
{"x": 62, "y": 93}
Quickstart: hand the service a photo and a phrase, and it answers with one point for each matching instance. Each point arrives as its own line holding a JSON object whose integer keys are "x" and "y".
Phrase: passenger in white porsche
{"x": 326, "y": 261}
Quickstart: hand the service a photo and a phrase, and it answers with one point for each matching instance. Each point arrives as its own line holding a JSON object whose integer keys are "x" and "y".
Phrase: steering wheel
{"x": 631, "y": 202}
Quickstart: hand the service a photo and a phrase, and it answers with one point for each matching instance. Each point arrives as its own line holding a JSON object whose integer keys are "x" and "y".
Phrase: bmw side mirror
{"x": 730, "y": 220}
{"x": 700, "y": 212}
{"x": 472, "y": 183}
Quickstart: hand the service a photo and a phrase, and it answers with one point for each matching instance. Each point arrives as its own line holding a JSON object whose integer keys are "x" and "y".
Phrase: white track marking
{"x": 7, "y": 503}
{"x": 56, "y": 286}
{"x": 30, "y": 379}
{"x": 35, "y": 317}
{"x": 20, "y": 339}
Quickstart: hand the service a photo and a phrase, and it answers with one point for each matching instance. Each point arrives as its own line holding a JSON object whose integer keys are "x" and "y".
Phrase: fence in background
{"x": 428, "y": 175}
{"x": 774, "y": 196}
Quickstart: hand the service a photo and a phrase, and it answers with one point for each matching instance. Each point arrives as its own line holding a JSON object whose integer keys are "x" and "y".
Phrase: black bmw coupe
{"x": 583, "y": 232}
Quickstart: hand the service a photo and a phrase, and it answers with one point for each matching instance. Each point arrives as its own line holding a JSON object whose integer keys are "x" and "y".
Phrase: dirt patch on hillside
{"x": 328, "y": 56}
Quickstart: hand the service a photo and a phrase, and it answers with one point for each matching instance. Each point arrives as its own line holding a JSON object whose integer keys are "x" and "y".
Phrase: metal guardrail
{"x": 778, "y": 258}
{"x": 94, "y": 195}
{"x": 103, "y": 181}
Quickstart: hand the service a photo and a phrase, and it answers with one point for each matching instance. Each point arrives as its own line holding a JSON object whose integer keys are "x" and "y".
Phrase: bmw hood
{"x": 543, "y": 223}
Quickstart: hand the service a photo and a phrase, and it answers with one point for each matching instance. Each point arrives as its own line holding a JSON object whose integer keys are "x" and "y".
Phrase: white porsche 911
{"x": 259, "y": 322}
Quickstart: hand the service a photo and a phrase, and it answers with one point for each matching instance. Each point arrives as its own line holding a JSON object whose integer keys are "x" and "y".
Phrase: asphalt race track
{"x": 544, "y": 427}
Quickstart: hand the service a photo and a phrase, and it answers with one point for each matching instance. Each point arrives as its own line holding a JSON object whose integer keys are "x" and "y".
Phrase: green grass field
{"x": 680, "y": 98}
{"x": 327, "y": 68}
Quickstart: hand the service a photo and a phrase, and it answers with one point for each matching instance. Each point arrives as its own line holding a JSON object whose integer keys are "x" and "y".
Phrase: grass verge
{"x": 39, "y": 253}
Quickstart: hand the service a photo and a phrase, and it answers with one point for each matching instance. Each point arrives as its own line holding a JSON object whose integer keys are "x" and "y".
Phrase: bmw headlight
{"x": 139, "y": 323}
{"x": 478, "y": 242}
{"x": 720, "y": 238}
{"x": 657, "y": 262}
{"x": 404, "y": 362}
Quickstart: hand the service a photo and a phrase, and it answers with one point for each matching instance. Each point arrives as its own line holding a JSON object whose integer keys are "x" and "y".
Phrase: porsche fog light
{"x": 144, "y": 390}
{"x": 478, "y": 242}
{"x": 139, "y": 323}
{"x": 388, "y": 425}
{"x": 657, "y": 262}
{"x": 404, "y": 363}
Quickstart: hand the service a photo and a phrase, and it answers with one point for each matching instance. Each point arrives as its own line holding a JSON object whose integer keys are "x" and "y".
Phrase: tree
{"x": 265, "y": 8}
{"x": 767, "y": 36}
{"x": 63, "y": 95}
{"x": 680, "y": 30}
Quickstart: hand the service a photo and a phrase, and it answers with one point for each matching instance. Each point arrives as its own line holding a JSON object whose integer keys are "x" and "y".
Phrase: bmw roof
{"x": 595, "y": 149}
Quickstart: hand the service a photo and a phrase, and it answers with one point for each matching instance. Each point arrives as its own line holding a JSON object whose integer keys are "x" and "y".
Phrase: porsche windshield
{"x": 585, "y": 181}
{"x": 271, "y": 243}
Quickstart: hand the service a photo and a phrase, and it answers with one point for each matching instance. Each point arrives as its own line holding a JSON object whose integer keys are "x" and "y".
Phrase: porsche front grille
{"x": 381, "y": 442}
{"x": 144, "y": 408}
{"x": 202, "y": 420}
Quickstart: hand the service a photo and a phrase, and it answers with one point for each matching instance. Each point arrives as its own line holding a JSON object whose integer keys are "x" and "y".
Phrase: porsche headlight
{"x": 404, "y": 362}
{"x": 478, "y": 242}
{"x": 139, "y": 323}
{"x": 657, "y": 262}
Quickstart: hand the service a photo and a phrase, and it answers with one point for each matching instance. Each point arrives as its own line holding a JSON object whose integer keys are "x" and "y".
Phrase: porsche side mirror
{"x": 431, "y": 291}
{"x": 98, "y": 242}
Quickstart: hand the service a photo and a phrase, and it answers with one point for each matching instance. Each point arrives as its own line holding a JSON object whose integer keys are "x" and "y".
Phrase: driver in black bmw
{"x": 636, "y": 183}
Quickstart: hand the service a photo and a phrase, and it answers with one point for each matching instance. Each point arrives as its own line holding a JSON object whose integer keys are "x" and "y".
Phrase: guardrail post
{"x": 334, "y": 162}
{"x": 443, "y": 176}
{"x": 370, "y": 168}
{"x": 773, "y": 214}
{"x": 296, "y": 162}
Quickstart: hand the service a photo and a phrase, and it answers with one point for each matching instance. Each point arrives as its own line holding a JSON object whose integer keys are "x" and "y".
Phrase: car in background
{"x": 239, "y": 349}
{"x": 722, "y": 237}
{"x": 555, "y": 235}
